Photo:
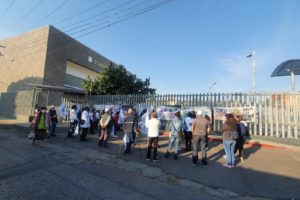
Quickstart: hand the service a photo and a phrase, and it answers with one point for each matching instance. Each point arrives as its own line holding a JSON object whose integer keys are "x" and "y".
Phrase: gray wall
{"x": 16, "y": 104}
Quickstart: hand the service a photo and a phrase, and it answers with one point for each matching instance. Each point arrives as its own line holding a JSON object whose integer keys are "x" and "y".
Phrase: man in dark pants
{"x": 130, "y": 127}
{"x": 200, "y": 128}
{"x": 105, "y": 123}
{"x": 54, "y": 120}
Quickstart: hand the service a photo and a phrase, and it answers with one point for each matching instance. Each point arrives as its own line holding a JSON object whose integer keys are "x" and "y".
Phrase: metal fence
{"x": 276, "y": 114}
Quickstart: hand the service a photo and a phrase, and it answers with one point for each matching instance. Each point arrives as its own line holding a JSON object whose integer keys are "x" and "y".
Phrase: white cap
{"x": 199, "y": 112}
{"x": 106, "y": 109}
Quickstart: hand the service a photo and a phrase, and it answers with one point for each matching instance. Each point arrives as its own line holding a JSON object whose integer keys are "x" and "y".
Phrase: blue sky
{"x": 186, "y": 45}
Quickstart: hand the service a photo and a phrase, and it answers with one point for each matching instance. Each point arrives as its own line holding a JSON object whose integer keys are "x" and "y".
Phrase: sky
{"x": 184, "y": 46}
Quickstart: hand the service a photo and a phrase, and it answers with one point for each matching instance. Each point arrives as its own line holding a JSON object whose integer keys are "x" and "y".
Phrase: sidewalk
{"x": 269, "y": 172}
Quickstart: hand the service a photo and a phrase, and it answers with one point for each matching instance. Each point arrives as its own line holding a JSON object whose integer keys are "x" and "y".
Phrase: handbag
{"x": 76, "y": 132}
{"x": 234, "y": 135}
{"x": 31, "y": 134}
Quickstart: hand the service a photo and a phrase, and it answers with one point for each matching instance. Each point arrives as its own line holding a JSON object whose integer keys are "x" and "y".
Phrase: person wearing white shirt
{"x": 85, "y": 118}
{"x": 73, "y": 121}
{"x": 153, "y": 133}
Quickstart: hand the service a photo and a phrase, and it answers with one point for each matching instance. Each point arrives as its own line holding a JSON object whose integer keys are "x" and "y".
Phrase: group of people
{"x": 194, "y": 128}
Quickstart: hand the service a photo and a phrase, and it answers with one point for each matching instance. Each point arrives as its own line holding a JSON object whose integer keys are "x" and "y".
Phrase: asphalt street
{"x": 61, "y": 168}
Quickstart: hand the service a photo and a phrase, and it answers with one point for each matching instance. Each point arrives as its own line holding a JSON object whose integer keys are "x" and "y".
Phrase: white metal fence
{"x": 276, "y": 114}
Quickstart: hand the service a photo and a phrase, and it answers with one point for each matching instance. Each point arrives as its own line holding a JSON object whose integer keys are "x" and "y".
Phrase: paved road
{"x": 62, "y": 168}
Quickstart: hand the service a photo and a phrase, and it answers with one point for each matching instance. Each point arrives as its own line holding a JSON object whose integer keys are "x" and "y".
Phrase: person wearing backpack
{"x": 175, "y": 127}
{"x": 105, "y": 123}
{"x": 243, "y": 133}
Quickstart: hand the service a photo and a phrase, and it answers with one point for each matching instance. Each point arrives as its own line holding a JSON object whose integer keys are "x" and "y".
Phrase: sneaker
{"x": 148, "y": 159}
{"x": 155, "y": 160}
{"x": 226, "y": 165}
{"x": 194, "y": 164}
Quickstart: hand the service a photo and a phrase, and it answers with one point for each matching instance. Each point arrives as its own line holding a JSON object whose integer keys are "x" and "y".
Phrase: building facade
{"x": 49, "y": 64}
{"x": 48, "y": 57}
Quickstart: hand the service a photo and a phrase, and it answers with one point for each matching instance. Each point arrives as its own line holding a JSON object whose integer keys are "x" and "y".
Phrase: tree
{"x": 117, "y": 80}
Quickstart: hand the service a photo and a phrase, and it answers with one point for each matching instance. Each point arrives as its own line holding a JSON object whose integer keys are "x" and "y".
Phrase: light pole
{"x": 211, "y": 106}
{"x": 253, "y": 56}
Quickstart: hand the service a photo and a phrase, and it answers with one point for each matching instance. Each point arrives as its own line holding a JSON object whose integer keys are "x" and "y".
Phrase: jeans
{"x": 174, "y": 139}
{"x": 229, "y": 151}
{"x": 52, "y": 128}
{"x": 152, "y": 141}
{"x": 128, "y": 142}
{"x": 199, "y": 140}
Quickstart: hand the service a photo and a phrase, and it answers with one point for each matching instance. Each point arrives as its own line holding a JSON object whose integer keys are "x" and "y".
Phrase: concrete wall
{"x": 16, "y": 105}
{"x": 62, "y": 49}
{"x": 23, "y": 60}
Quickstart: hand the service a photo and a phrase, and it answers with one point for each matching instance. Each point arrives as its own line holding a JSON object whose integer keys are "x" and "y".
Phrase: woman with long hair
{"x": 229, "y": 142}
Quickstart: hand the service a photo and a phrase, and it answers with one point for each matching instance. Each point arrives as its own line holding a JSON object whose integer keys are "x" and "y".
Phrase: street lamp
{"x": 211, "y": 106}
{"x": 253, "y": 56}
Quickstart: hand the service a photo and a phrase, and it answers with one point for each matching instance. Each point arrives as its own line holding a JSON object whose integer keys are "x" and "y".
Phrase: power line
{"x": 104, "y": 12}
{"x": 53, "y": 11}
{"x": 10, "y": 5}
{"x": 128, "y": 17}
{"x": 26, "y": 15}
{"x": 103, "y": 27}
{"x": 22, "y": 45}
{"x": 114, "y": 14}
{"x": 30, "y": 11}
{"x": 82, "y": 12}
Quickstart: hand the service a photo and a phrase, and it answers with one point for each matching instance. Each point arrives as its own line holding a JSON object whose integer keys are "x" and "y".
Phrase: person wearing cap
{"x": 85, "y": 123}
{"x": 175, "y": 127}
{"x": 200, "y": 127}
{"x": 53, "y": 119}
{"x": 105, "y": 123}
{"x": 229, "y": 143}
{"x": 130, "y": 127}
